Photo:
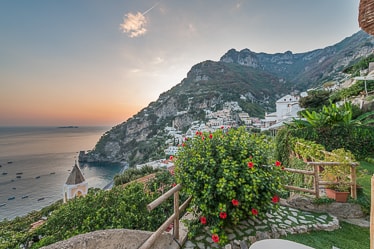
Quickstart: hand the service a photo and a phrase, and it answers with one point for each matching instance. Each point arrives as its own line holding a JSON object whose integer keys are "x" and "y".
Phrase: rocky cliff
{"x": 262, "y": 78}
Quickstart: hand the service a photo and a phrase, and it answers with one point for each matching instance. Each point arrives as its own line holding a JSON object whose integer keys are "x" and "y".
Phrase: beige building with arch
{"x": 75, "y": 185}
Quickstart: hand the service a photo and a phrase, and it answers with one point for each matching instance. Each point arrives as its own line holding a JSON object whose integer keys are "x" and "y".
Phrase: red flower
{"x": 215, "y": 238}
{"x": 210, "y": 135}
{"x": 254, "y": 211}
{"x": 202, "y": 138}
{"x": 197, "y": 133}
{"x": 250, "y": 165}
{"x": 183, "y": 144}
{"x": 203, "y": 220}
{"x": 171, "y": 157}
{"x": 277, "y": 163}
{"x": 222, "y": 127}
{"x": 174, "y": 184}
{"x": 235, "y": 202}
{"x": 223, "y": 215}
{"x": 275, "y": 199}
{"x": 282, "y": 168}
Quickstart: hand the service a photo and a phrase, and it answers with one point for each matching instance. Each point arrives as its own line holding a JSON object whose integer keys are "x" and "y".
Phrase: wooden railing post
{"x": 316, "y": 179}
{"x": 353, "y": 184}
{"x": 176, "y": 213}
{"x": 372, "y": 214}
{"x": 174, "y": 217}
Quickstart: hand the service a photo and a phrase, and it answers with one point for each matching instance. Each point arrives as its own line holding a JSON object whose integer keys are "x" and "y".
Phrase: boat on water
{"x": 11, "y": 198}
{"x": 19, "y": 173}
{"x": 14, "y": 188}
{"x": 18, "y": 176}
{"x": 37, "y": 177}
{"x": 2, "y": 204}
{"x": 52, "y": 173}
{"x": 40, "y": 199}
{"x": 9, "y": 162}
{"x": 25, "y": 196}
{"x": 5, "y": 173}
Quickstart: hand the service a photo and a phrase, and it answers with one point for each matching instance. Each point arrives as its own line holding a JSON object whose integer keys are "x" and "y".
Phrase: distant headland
{"x": 70, "y": 126}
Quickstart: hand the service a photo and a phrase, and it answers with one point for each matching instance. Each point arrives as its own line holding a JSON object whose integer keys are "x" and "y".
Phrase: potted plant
{"x": 338, "y": 175}
{"x": 338, "y": 192}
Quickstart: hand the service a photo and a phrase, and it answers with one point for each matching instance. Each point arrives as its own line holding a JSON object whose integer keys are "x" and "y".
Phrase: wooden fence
{"x": 173, "y": 218}
{"x": 316, "y": 177}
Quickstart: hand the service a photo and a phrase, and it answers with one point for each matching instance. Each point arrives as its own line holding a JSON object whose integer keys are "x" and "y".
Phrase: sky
{"x": 95, "y": 62}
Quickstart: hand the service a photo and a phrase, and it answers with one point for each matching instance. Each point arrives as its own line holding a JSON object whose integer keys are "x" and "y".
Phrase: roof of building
{"x": 75, "y": 176}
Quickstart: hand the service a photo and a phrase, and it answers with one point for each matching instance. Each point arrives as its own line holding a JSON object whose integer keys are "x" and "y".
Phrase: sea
{"x": 36, "y": 162}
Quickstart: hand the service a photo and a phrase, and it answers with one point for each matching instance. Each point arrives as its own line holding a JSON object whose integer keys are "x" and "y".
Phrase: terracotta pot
{"x": 337, "y": 196}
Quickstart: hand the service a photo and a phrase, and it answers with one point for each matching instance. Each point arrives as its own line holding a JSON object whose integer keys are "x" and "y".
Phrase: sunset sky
{"x": 95, "y": 62}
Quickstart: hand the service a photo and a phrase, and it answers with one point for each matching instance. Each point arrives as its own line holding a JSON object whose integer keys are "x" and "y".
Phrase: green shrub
{"x": 120, "y": 207}
{"x": 229, "y": 176}
{"x": 133, "y": 174}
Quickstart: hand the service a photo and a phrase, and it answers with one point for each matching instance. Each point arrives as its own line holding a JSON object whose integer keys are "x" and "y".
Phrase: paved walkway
{"x": 285, "y": 220}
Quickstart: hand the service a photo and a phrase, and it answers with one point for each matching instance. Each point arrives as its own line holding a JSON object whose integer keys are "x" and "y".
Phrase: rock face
{"x": 114, "y": 239}
{"x": 262, "y": 78}
{"x": 340, "y": 210}
{"x": 309, "y": 67}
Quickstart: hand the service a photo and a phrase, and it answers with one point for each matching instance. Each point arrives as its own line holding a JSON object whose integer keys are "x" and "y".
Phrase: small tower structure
{"x": 75, "y": 185}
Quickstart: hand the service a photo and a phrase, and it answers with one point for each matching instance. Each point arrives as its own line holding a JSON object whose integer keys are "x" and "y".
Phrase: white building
{"x": 287, "y": 108}
{"x": 171, "y": 150}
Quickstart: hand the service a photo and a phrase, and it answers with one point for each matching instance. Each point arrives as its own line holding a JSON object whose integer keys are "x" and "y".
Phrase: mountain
{"x": 260, "y": 77}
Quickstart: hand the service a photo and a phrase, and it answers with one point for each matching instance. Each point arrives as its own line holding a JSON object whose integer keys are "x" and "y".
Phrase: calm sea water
{"x": 36, "y": 161}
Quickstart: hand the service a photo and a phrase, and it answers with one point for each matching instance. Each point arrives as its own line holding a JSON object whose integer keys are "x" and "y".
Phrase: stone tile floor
{"x": 285, "y": 220}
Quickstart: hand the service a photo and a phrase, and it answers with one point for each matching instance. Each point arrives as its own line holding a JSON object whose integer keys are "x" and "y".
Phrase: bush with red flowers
{"x": 231, "y": 176}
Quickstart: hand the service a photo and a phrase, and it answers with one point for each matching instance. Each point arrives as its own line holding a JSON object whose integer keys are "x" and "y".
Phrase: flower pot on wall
{"x": 336, "y": 195}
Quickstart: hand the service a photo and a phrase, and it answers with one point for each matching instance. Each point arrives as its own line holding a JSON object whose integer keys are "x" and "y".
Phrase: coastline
{"x": 41, "y": 160}
{"x": 110, "y": 185}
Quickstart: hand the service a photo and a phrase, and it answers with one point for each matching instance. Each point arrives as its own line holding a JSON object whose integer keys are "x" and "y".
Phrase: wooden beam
{"x": 151, "y": 240}
{"x": 311, "y": 191}
{"x": 353, "y": 184}
{"x": 300, "y": 171}
{"x": 176, "y": 212}
{"x": 332, "y": 163}
{"x": 163, "y": 197}
{"x": 316, "y": 180}
{"x": 372, "y": 214}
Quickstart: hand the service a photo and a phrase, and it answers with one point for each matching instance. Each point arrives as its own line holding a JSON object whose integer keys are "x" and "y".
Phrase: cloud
{"x": 134, "y": 24}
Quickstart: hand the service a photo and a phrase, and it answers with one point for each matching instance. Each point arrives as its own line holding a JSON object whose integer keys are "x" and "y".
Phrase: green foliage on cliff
{"x": 362, "y": 64}
{"x": 334, "y": 128}
{"x": 133, "y": 174}
{"x": 355, "y": 90}
{"x": 17, "y": 231}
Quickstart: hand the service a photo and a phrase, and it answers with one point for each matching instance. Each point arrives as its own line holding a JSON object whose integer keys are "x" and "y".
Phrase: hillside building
{"x": 287, "y": 108}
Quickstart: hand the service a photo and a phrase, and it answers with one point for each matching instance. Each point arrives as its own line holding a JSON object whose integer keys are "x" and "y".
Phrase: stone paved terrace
{"x": 286, "y": 220}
